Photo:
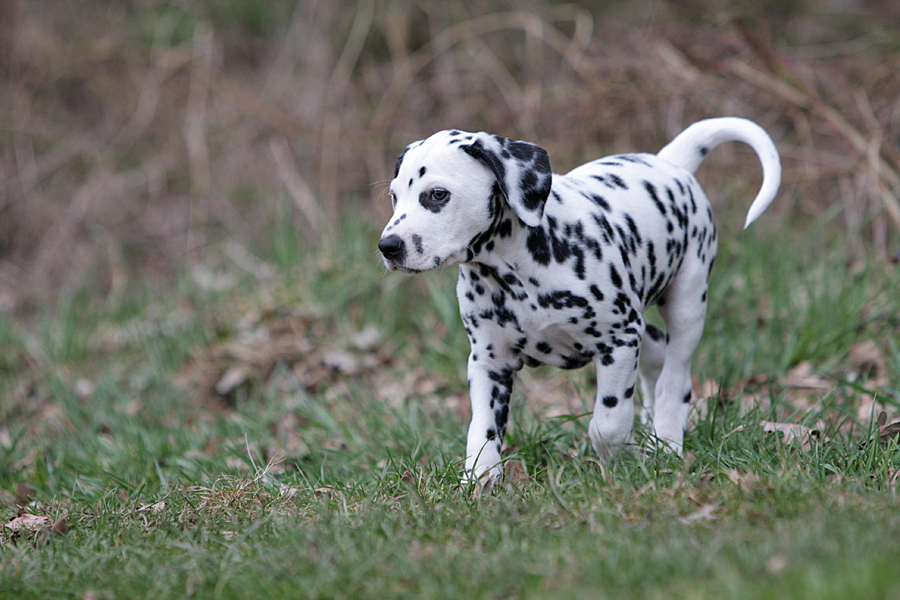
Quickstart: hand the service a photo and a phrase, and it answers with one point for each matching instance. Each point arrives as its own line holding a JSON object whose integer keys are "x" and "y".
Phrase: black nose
{"x": 393, "y": 248}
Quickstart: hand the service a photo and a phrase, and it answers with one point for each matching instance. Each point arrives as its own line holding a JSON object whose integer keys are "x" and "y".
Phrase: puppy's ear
{"x": 399, "y": 162}
{"x": 403, "y": 154}
{"x": 522, "y": 171}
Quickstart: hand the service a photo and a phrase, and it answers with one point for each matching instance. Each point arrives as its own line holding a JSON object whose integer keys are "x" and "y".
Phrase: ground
{"x": 210, "y": 387}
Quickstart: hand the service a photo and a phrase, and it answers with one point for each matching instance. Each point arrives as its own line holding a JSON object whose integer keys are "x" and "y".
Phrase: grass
{"x": 196, "y": 420}
{"x": 342, "y": 481}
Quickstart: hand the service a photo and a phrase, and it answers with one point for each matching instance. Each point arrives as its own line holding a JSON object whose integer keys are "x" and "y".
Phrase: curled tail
{"x": 691, "y": 146}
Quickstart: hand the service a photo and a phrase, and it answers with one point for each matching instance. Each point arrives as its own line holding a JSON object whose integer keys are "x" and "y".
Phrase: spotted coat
{"x": 560, "y": 269}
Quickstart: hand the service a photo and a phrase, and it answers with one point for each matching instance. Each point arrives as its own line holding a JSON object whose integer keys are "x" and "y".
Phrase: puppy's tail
{"x": 691, "y": 146}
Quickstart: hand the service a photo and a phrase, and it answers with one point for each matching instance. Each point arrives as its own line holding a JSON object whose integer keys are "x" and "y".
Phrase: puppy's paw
{"x": 482, "y": 483}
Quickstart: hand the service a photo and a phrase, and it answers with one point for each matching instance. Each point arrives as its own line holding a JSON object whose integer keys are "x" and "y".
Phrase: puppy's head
{"x": 445, "y": 196}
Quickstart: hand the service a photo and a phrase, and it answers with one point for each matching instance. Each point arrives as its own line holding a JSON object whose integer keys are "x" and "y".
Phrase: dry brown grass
{"x": 138, "y": 137}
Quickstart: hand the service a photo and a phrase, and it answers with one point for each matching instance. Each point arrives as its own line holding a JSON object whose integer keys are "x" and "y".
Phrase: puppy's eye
{"x": 434, "y": 200}
{"x": 393, "y": 200}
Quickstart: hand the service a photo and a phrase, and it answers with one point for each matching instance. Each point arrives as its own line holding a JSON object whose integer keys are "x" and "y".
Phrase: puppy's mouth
{"x": 404, "y": 269}
{"x": 409, "y": 271}
{"x": 419, "y": 263}
{"x": 436, "y": 262}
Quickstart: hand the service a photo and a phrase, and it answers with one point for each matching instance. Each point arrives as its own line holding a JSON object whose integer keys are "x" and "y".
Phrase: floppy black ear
{"x": 399, "y": 161}
{"x": 522, "y": 171}
{"x": 403, "y": 154}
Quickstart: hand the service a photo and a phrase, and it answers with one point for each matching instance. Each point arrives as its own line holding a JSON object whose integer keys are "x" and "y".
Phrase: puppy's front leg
{"x": 490, "y": 387}
{"x": 611, "y": 426}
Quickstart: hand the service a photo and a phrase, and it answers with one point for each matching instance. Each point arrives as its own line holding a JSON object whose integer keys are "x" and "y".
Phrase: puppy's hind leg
{"x": 653, "y": 355}
{"x": 684, "y": 311}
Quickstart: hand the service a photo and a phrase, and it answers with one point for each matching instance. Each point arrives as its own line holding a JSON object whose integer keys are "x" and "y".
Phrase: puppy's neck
{"x": 503, "y": 245}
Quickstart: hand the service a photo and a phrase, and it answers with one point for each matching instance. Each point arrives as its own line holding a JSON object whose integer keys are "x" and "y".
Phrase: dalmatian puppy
{"x": 559, "y": 269}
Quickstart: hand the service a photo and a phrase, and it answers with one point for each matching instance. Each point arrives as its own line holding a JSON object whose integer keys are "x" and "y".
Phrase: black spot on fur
{"x": 610, "y": 401}
{"x": 615, "y": 277}
{"x": 655, "y": 333}
{"x": 561, "y": 299}
{"x": 651, "y": 189}
{"x": 538, "y": 246}
{"x": 617, "y": 181}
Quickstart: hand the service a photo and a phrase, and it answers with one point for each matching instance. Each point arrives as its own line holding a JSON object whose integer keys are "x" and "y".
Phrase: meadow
{"x": 210, "y": 386}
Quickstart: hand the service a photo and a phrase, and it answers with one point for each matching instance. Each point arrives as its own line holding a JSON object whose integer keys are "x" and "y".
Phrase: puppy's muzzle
{"x": 393, "y": 249}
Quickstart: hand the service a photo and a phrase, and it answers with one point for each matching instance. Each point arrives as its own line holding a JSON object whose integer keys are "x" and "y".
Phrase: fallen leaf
{"x": 329, "y": 492}
{"x": 746, "y": 481}
{"x": 60, "y": 527}
{"x": 408, "y": 477}
{"x": 233, "y": 378}
{"x": 27, "y": 522}
{"x": 801, "y": 376}
{"x": 868, "y": 407}
{"x": 156, "y": 507}
{"x": 885, "y": 431}
{"x": 706, "y": 477}
{"x": 893, "y": 475}
{"x": 777, "y": 563}
{"x": 45, "y": 533}
{"x": 790, "y": 433}
{"x": 707, "y": 512}
{"x": 341, "y": 361}
{"x": 514, "y": 474}
{"x": 287, "y": 491}
{"x": 84, "y": 388}
{"x": 368, "y": 338}
{"x": 868, "y": 362}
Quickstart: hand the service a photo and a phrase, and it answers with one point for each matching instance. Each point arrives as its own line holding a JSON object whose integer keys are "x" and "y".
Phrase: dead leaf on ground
{"x": 368, "y": 338}
{"x": 802, "y": 376}
{"x": 514, "y": 474}
{"x": 868, "y": 408}
{"x": 885, "y": 431}
{"x": 790, "y": 433}
{"x": 553, "y": 395}
{"x": 287, "y": 491}
{"x": 893, "y": 476}
{"x": 793, "y": 433}
{"x": 292, "y": 339}
{"x": 329, "y": 492}
{"x": 39, "y": 528}
{"x": 43, "y": 535}
{"x": 155, "y": 507}
{"x": 867, "y": 360}
{"x": 746, "y": 481}
{"x": 707, "y": 512}
{"x": 711, "y": 397}
{"x": 26, "y": 522}
{"x": 777, "y": 563}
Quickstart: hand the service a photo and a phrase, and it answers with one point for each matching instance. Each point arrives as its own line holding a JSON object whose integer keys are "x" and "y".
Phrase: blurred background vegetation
{"x": 140, "y": 139}
{"x": 197, "y": 335}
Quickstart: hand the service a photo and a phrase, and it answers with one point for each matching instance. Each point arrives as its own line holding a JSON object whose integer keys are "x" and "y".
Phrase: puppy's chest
{"x": 540, "y": 322}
